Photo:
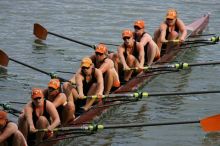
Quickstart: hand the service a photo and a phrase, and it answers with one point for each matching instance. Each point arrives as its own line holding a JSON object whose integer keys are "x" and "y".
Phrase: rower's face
{"x": 38, "y": 101}
{"x": 52, "y": 92}
{"x": 138, "y": 31}
{"x": 87, "y": 70}
{"x": 99, "y": 56}
{"x": 2, "y": 123}
{"x": 128, "y": 41}
{"x": 170, "y": 22}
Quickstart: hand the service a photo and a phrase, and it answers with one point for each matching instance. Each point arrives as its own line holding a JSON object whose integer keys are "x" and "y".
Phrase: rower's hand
{"x": 49, "y": 133}
{"x": 81, "y": 96}
{"x": 181, "y": 40}
{"x": 33, "y": 129}
{"x": 126, "y": 67}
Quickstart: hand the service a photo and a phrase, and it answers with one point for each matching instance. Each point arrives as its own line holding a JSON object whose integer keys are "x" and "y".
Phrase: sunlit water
{"x": 102, "y": 21}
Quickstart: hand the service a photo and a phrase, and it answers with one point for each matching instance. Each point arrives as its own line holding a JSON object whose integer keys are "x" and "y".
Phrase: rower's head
{"x": 86, "y": 65}
{"x": 54, "y": 87}
{"x": 127, "y": 36}
{"x": 101, "y": 51}
{"x": 37, "y": 96}
{"x": 139, "y": 27}
{"x": 3, "y": 118}
{"x": 171, "y": 16}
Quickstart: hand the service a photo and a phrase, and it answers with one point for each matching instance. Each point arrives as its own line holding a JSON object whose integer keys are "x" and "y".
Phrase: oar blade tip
{"x": 3, "y": 59}
{"x": 211, "y": 124}
{"x": 39, "y": 31}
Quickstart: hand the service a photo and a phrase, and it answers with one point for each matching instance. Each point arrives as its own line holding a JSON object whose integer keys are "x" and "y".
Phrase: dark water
{"x": 102, "y": 21}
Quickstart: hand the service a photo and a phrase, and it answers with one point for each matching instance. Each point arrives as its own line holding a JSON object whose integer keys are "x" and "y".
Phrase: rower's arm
{"x": 53, "y": 114}
{"x": 100, "y": 84}
{"x": 61, "y": 99}
{"x": 28, "y": 115}
{"x": 79, "y": 84}
{"x": 10, "y": 129}
{"x": 163, "y": 28}
{"x": 105, "y": 66}
{"x": 121, "y": 56}
{"x": 141, "y": 54}
{"x": 183, "y": 30}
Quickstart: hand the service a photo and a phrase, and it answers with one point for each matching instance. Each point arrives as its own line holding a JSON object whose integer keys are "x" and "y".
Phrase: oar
{"x": 208, "y": 124}
{"x": 5, "y": 59}
{"x": 138, "y": 95}
{"x": 7, "y": 106}
{"x": 41, "y": 33}
{"x": 176, "y": 66}
{"x": 198, "y": 35}
{"x": 213, "y": 39}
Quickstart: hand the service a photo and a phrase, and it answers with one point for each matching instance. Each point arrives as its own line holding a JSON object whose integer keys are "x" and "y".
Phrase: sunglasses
{"x": 137, "y": 28}
{"x": 126, "y": 38}
{"x": 51, "y": 89}
{"x": 37, "y": 98}
{"x": 168, "y": 19}
{"x": 98, "y": 54}
{"x": 83, "y": 68}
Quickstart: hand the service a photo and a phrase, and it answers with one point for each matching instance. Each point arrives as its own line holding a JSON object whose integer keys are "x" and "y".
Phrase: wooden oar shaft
{"x": 66, "y": 38}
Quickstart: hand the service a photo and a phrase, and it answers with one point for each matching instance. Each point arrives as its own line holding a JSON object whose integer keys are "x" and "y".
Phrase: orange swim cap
{"x": 86, "y": 62}
{"x": 171, "y": 14}
{"x": 3, "y": 117}
{"x": 139, "y": 23}
{"x": 54, "y": 83}
{"x": 36, "y": 92}
{"x": 127, "y": 33}
{"x": 101, "y": 48}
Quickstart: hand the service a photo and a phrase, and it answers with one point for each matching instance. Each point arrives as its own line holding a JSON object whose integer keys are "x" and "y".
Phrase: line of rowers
{"x": 98, "y": 75}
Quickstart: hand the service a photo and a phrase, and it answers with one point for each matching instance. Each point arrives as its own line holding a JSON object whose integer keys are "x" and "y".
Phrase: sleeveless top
{"x": 59, "y": 108}
{"x": 87, "y": 85}
{"x": 135, "y": 52}
{"x": 145, "y": 47}
{"x": 45, "y": 113}
{"x": 176, "y": 29}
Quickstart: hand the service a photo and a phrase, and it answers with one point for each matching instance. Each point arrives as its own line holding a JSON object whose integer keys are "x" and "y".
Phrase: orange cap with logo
{"x": 54, "y": 83}
{"x": 171, "y": 14}
{"x": 127, "y": 33}
{"x": 86, "y": 62}
{"x": 101, "y": 48}
{"x": 139, "y": 23}
{"x": 36, "y": 92}
{"x": 3, "y": 117}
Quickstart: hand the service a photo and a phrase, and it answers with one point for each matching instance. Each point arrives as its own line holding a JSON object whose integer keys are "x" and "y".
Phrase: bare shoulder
{"x": 12, "y": 125}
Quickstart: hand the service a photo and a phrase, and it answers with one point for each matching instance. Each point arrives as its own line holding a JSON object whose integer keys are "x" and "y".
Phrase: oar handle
{"x": 79, "y": 42}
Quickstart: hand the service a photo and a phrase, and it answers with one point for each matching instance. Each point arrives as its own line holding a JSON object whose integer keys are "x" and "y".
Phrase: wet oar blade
{"x": 40, "y": 31}
{"x": 211, "y": 124}
{"x": 3, "y": 59}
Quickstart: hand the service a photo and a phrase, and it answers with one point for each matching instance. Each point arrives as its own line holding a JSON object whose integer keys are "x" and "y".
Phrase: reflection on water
{"x": 211, "y": 139}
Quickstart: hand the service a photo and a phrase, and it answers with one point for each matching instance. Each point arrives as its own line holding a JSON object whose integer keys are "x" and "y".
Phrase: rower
{"x": 9, "y": 133}
{"x": 130, "y": 54}
{"x": 65, "y": 109}
{"x": 101, "y": 61}
{"x": 38, "y": 114}
{"x": 89, "y": 81}
{"x": 172, "y": 28}
{"x": 152, "y": 52}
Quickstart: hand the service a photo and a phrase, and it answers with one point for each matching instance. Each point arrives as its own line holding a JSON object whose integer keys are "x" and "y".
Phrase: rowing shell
{"x": 143, "y": 78}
